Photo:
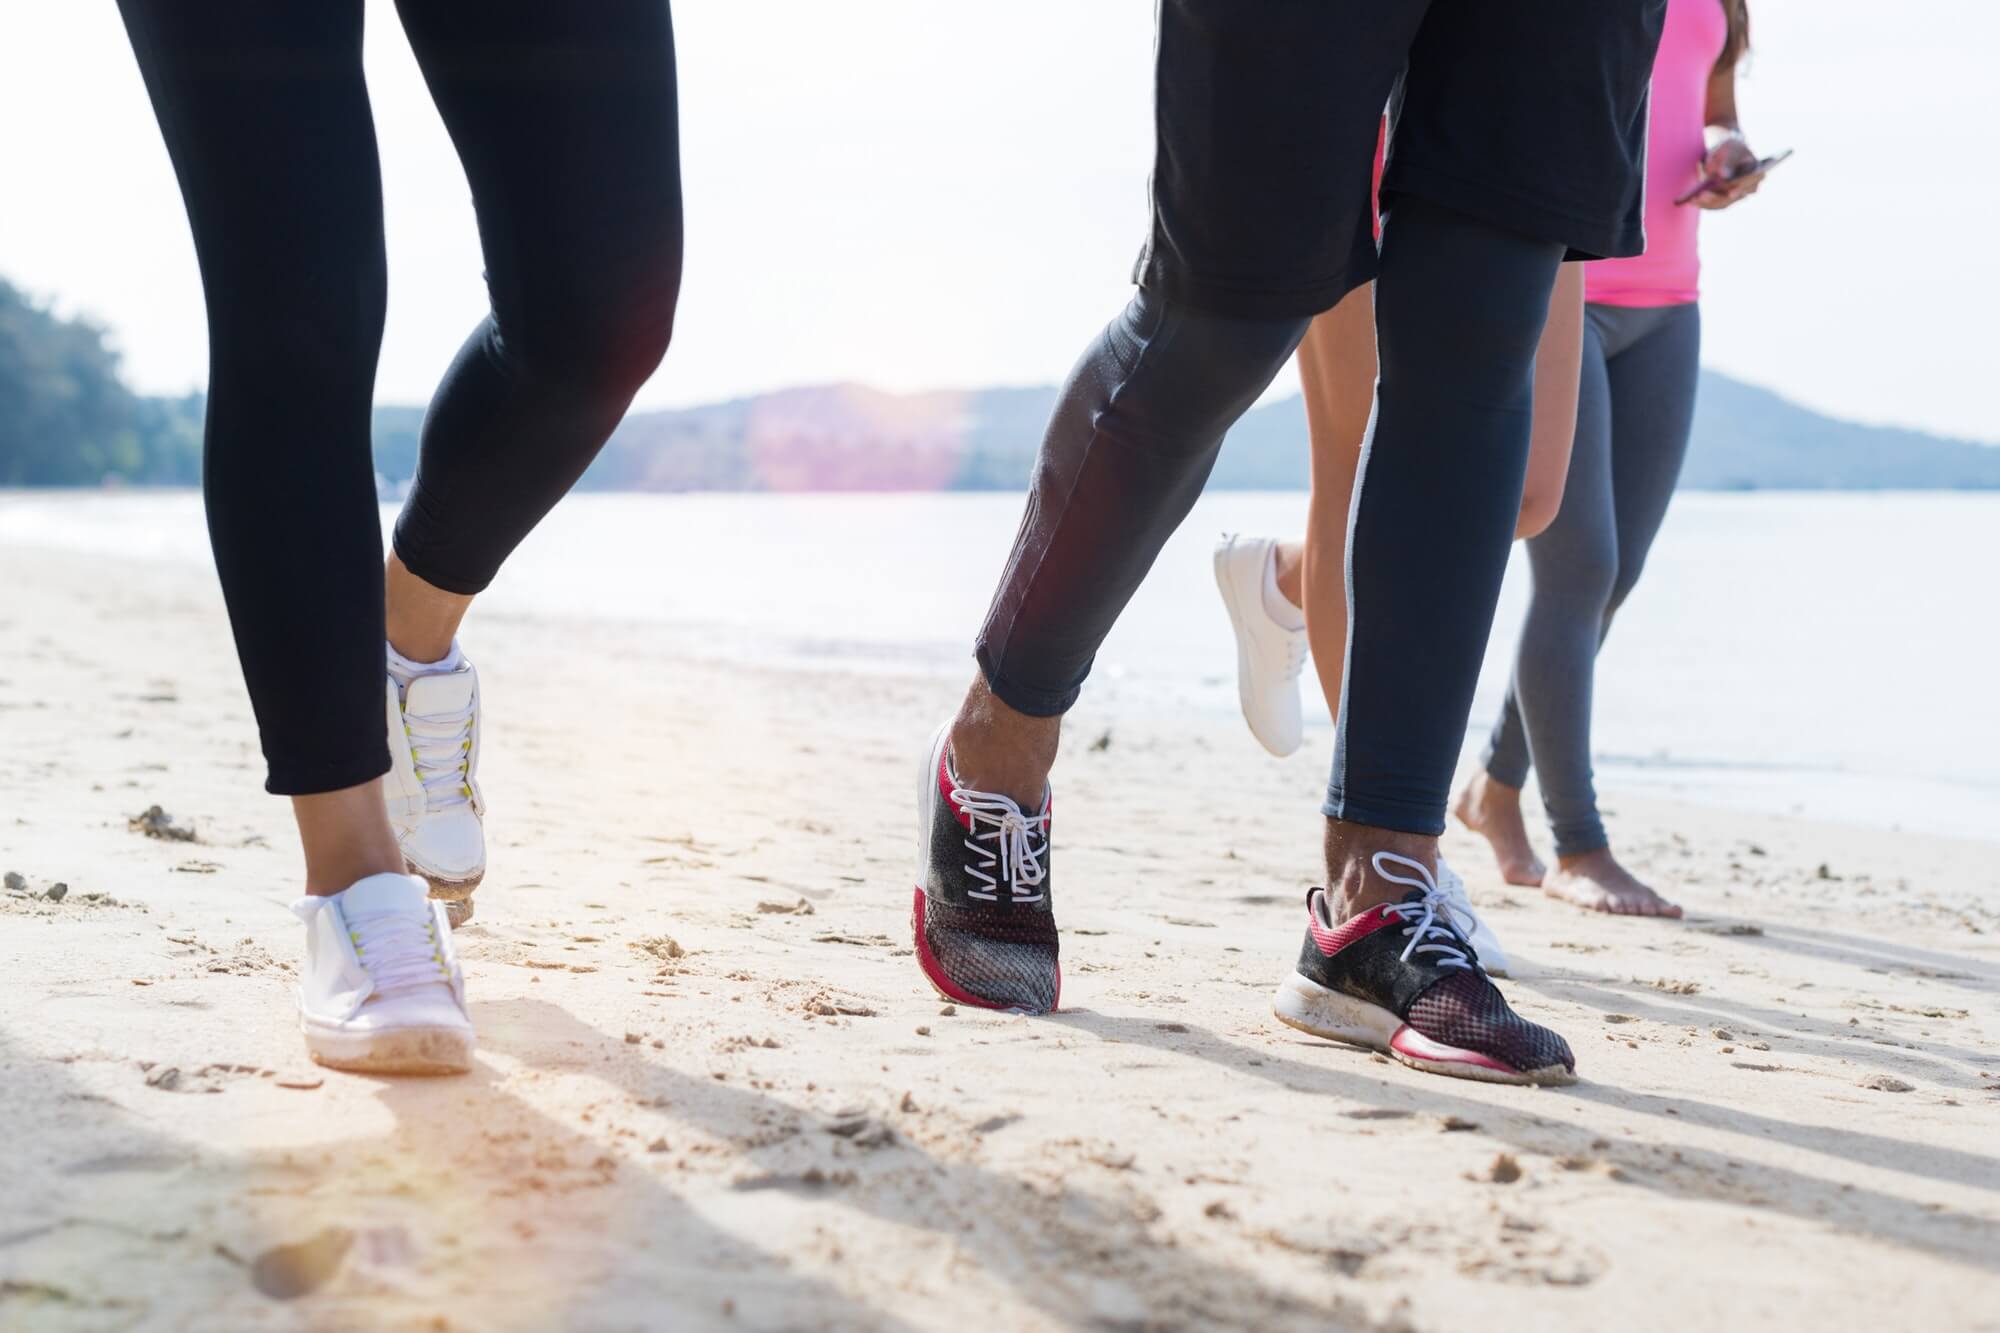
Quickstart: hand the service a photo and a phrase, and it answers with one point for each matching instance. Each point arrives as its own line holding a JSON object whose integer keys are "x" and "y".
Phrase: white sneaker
{"x": 1269, "y": 655}
{"x": 433, "y": 782}
{"x": 1478, "y": 934}
{"x": 382, "y": 991}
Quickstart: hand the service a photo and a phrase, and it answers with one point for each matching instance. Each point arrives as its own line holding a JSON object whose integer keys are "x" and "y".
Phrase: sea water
{"x": 1830, "y": 655}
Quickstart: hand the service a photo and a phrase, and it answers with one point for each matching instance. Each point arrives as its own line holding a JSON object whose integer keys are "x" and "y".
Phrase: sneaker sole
{"x": 1231, "y": 603}
{"x": 1303, "y": 1003}
{"x": 404, "y": 1051}
{"x": 455, "y": 894}
{"x": 445, "y": 889}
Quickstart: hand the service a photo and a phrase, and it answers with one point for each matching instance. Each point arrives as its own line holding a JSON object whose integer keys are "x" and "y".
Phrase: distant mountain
{"x": 838, "y": 438}
{"x": 67, "y": 418}
{"x": 849, "y": 437}
{"x": 1747, "y": 438}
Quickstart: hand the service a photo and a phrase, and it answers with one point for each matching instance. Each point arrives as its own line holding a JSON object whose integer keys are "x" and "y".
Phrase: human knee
{"x": 1539, "y": 507}
{"x": 1623, "y": 581}
{"x": 323, "y": 325}
{"x": 1461, "y": 298}
{"x": 618, "y": 344}
{"x": 602, "y": 337}
{"x": 1590, "y": 574}
{"x": 1483, "y": 349}
{"x": 1195, "y": 373}
{"x": 1242, "y": 356}
{"x": 1576, "y": 565}
{"x": 635, "y": 332}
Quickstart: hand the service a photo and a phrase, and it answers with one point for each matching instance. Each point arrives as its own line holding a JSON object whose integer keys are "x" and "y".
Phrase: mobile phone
{"x": 1763, "y": 165}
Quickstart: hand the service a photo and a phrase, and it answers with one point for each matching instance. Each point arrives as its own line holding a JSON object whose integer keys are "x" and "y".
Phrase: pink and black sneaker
{"x": 985, "y": 931}
{"x": 1402, "y": 979}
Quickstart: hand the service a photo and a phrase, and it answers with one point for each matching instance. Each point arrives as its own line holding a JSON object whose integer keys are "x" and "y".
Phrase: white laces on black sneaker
{"x": 1434, "y": 927}
{"x": 441, "y": 748}
{"x": 1009, "y": 853}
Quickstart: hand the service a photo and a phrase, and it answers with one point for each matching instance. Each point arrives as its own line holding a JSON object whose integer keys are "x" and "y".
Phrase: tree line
{"x": 66, "y": 415}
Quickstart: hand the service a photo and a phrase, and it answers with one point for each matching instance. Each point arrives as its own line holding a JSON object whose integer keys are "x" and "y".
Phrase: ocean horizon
{"x": 1824, "y": 655}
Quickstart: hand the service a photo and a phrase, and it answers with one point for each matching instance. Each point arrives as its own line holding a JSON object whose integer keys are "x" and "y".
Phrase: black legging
{"x": 1459, "y": 310}
{"x": 564, "y": 116}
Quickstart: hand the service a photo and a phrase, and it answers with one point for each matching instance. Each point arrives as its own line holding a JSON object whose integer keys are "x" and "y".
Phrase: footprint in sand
{"x": 287, "y": 1272}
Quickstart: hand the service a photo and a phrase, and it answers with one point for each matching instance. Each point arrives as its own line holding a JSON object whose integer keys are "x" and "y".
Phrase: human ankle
{"x": 1493, "y": 797}
{"x": 1596, "y": 859}
{"x": 1352, "y": 881}
{"x": 421, "y": 619}
{"x": 406, "y": 668}
{"x": 998, "y": 749}
{"x": 1288, "y": 564}
{"x": 346, "y": 838}
{"x": 328, "y": 875}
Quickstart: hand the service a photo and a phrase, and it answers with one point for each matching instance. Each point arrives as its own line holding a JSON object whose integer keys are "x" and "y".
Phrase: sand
{"x": 713, "y": 1092}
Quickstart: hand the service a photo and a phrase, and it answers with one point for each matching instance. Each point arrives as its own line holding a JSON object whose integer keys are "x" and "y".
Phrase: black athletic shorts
{"x": 1528, "y": 114}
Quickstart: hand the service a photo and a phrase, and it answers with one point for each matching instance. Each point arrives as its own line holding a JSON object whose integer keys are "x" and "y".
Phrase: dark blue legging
{"x": 564, "y": 117}
{"x": 1459, "y": 310}
{"x": 1634, "y": 414}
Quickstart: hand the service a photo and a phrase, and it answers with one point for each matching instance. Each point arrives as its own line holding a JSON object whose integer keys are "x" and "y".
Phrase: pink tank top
{"x": 1669, "y": 273}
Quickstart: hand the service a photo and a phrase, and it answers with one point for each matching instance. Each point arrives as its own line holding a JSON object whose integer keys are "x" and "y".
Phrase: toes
{"x": 1589, "y": 897}
{"x": 1612, "y": 900}
{"x": 1623, "y": 903}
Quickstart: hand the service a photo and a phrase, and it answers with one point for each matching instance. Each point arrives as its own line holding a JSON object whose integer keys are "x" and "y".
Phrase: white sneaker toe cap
{"x": 433, "y": 1008}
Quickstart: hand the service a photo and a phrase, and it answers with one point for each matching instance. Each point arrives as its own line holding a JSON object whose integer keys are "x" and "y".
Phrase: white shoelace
{"x": 441, "y": 746}
{"x": 1434, "y": 921}
{"x": 1295, "y": 655}
{"x": 1012, "y": 857}
{"x": 398, "y": 950}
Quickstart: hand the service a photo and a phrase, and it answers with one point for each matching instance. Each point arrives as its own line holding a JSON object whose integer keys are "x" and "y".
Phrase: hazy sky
{"x": 930, "y": 193}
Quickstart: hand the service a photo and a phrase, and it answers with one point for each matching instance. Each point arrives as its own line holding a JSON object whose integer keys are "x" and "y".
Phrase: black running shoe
{"x": 985, "y": 932}
{"x": 1402, "y": 979}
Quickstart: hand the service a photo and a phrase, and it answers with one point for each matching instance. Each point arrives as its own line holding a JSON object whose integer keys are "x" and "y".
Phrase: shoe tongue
{"x": 384, "y": 893}
{"x": 435, "y": 696}
{"x": 1415, "y": 896}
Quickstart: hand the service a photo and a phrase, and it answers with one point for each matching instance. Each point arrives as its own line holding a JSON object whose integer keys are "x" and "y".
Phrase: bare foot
{"x": 1596, "y": 881}
{"x": 1493, "y": 810}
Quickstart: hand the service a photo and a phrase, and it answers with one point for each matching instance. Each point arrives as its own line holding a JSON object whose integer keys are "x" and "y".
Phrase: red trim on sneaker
{"x": 1408, "y": 1041}
{"x": 1359, "y": 926}
{"x": 947, "y": 785}
{"x": 934, "y": 973}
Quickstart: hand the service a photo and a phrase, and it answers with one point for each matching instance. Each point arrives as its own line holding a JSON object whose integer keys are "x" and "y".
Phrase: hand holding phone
{"x": 1718, "y": 185}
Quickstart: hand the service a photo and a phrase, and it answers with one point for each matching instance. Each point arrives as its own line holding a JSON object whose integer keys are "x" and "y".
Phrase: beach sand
{"x": 713, "y": 1091}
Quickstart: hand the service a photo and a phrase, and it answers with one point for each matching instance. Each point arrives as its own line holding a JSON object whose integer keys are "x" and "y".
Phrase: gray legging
{"x": 1634, "y": 411}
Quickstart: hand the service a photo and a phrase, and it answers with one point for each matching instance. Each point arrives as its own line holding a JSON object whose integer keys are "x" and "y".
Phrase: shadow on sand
{"x": 1678, "y": 1169}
